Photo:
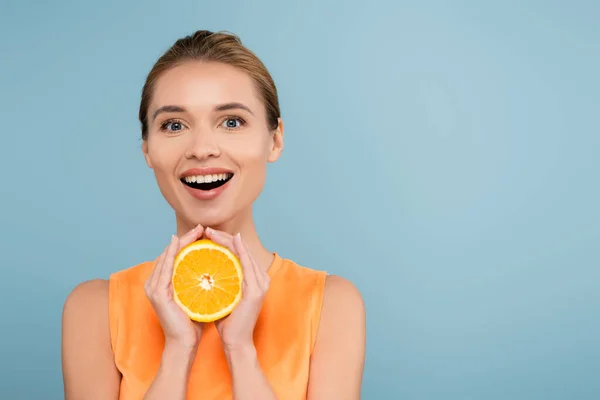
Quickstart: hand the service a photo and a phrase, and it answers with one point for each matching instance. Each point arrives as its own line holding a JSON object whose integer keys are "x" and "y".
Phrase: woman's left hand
{"x": 237, "y": 329}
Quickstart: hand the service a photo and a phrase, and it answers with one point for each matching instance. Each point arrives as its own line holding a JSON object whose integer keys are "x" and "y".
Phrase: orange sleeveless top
{"x": 284, "y": 335}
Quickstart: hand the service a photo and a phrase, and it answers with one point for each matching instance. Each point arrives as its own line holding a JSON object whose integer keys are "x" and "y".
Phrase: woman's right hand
{"x": 179, "y": 330}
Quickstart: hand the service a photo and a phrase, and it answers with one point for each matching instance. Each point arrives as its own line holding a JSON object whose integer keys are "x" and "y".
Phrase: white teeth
{"x": 207, "y": 178}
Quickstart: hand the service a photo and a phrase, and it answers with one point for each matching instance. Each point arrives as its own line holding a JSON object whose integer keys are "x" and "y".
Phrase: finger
{"x": 220, "y": 237}
{"x": 191, "y": 236}
{"x": 153, "y": 279}
{"x": 262, "y": 277}
{"x": 247, "y": 264}
{"x": 198, "y": 326}
{"x": 261, "y": 273}
{"x": 167, "y": 268}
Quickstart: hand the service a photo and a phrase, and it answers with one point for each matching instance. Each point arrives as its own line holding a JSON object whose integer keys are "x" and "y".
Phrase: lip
{"x": 206, "y": 194}
{"x": 205, "y": 171}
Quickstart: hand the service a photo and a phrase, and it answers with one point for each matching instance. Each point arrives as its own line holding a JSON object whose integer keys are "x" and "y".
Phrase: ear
{"x": 277, "y": 145}
{"x": 145, "y": 152}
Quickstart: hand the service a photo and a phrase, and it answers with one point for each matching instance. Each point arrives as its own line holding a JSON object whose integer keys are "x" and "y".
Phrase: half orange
{"x": 207, "y": 280}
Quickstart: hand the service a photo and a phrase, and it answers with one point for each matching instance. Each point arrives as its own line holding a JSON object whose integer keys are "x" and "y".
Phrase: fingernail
{"x": 173, "y": 238}
{"x": 208, "y": 230}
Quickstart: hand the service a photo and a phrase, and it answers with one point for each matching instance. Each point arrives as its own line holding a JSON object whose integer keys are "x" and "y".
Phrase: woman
{"x": 210, "y": 124}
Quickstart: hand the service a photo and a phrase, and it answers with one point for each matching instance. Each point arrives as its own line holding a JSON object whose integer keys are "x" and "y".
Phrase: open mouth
{"x": 207, "y": 182}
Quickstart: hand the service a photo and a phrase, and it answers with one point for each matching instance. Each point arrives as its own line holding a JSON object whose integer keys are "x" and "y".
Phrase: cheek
{"x": 164, "y": 157}
{"x": 251, "y": 158}
{"x": 251, "y": 151}
{"x": 164, "y": 161}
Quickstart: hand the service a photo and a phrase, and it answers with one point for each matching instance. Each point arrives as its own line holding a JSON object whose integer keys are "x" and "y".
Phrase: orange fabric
{"x": 284, "y": 336}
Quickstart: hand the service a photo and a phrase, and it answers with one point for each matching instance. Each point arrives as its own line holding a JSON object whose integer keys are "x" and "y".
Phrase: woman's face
{"x": 208, "y": 141}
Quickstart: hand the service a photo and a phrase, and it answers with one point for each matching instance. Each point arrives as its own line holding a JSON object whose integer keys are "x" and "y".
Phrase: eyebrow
{"x": 220, "y": 107}
{"x": 233, "y": 106}
{"x": 165, "y": 109}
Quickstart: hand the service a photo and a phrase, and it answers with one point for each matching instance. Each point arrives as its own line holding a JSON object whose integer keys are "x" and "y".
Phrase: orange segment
{"x": 207, "y": 280}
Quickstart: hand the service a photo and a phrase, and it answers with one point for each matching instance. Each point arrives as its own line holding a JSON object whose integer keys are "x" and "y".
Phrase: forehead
{"x": 198, "y": 85}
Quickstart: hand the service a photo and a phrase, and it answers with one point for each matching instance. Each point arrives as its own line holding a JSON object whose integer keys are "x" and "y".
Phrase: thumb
{"x": 198, "y": 326}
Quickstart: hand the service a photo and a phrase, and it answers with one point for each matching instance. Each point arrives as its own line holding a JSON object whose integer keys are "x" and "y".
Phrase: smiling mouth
{"x": 207, "y": 182}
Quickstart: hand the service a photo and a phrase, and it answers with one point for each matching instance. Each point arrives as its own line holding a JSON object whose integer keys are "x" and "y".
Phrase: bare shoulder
{"x": 87, "y": 301}
{"x": 92, "y": 292}
{"x": 340, "y": 293}
{"x": 86, "y": 310}
{"x": 338, "y": 357}
{"x": 343, "y": 308}
{"x": 87, "y": 357}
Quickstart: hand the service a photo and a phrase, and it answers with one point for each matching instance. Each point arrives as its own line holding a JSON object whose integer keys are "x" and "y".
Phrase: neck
{"x": 242, "y": 223}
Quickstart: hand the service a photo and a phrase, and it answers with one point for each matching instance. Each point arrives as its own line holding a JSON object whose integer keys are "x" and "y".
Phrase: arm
{"x": 337, "y": 361}
{"x": 249, "y": 381}
{"x": 236, "y": 330}
{"x": 89, "y": 371}
{"x": 88, "y": 361}
{"x": 182, "y": 336}
{"x": 173, "y": 374}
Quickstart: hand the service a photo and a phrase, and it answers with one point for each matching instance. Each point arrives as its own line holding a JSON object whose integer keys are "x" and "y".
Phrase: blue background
{"x": 441, "y": 155}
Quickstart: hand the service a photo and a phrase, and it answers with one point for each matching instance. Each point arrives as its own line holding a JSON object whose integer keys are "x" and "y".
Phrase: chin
{"x": 209, "y": 217}
{"x": 223, "y": 212}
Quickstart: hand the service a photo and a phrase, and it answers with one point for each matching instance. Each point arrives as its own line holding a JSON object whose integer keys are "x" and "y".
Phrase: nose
{"x": 202, "y": 145}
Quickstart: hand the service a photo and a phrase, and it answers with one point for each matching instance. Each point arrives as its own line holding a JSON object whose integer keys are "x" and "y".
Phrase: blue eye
{"x": 172, "y": 126}
{"x": 232, "y": 123}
